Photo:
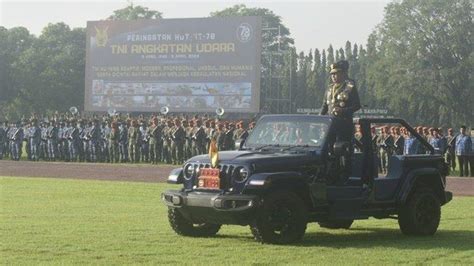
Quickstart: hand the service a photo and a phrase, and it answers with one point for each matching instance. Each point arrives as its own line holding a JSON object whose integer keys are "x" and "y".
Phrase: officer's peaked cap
{"x": 342, "y": 65}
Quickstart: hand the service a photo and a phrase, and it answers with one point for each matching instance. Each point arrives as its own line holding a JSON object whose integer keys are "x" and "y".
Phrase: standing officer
{"x": 113, "y": 139}
{"x": 450, "y": 150}
{"x": 53, "y": 140}
{"x": 134, "y": 136}
{"x": 178, "y": 135}
{"x": 154, "y": 147}
{"x": 341, "y": 101}
{"x": 199, "y": 139}
{"x": 35, "y": 140}
{"x": 463, "y": 151}
{"x": 386, "y": 148}
{"x": 3, "y": 139}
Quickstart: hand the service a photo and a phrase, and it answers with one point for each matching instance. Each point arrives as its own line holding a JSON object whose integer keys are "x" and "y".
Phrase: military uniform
{"x": 52, "y": 141}
{"x": 166, "y": 155}
{"x": 386, "y": 150}
{"x": 134, "y": 136}
{"x": 155, "y": 143}
{"x": 113, "y": 139}
{"x": 3, "y": 140}
{"x": 450, "y": 150}
{"x": 341, "y": 101}
{"x": 199, "y": 140}
{"x": 177, "y": 144}
{"x": 463, "y": 151}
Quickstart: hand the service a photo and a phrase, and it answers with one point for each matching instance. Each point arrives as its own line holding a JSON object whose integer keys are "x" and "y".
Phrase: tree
{"x": 13, "y": 43}
{"x": 276, "y": 45}
{"x": 135, "y": 12}
{"x": 421, "y": 61}
{"x": 49, "y": 75}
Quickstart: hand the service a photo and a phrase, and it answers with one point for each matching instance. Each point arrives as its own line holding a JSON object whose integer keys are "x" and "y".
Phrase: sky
{"x": 312, "y": 24}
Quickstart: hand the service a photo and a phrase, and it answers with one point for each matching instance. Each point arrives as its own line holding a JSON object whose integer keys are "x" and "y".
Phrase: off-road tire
{"x": 184, "y": 227}
{"x": 293, "y": 213}
{"x": 336, "y": 224}
{"x": 421, "y": 214}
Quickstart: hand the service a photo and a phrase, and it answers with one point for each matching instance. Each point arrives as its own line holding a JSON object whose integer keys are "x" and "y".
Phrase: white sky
{"x": 313, "y": 24}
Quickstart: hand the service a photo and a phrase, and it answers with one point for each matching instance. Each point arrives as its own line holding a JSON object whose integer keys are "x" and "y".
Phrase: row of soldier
{"x": 154, "y": 140}
{"x": 388, "y": 141}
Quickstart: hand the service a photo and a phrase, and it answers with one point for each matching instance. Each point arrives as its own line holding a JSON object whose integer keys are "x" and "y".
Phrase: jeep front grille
{"x": 226, "y": 173}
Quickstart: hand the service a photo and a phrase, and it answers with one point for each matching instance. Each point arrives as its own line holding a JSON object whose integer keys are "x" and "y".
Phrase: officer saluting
{"x": 341, "y": 101}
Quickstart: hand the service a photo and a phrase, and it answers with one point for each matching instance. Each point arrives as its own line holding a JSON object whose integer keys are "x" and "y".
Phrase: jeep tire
{"x": 184, "y": 227}
{"x": 336, "y": 224}
{"x": 421, "y": 214}
{"x": 281, "y": 220}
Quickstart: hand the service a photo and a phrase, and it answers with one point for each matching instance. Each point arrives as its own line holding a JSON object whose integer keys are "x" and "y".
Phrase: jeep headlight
{"x": 241, "y": 174}
{"x": 188, "y": 171}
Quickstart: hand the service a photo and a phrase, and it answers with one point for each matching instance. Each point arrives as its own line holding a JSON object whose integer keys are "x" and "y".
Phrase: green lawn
{"x": 51, "y": 221}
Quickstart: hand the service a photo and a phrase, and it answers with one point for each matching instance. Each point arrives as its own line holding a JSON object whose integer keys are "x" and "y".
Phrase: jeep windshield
{"x": 288, "y": 131}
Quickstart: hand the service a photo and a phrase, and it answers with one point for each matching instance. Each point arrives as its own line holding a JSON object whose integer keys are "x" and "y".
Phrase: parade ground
{"x": 51, "y": 215}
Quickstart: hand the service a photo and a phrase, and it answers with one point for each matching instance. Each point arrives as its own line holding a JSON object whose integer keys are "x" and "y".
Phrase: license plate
{"x": 209, "y": 178}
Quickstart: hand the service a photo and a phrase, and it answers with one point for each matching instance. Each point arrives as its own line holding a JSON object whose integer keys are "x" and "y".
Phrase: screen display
{"x": 187, "y": 65}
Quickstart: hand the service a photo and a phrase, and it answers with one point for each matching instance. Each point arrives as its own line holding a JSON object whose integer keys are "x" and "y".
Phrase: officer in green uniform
{"x": 341, "y": 101}
{"x": 167, "y": 142}
{"x": 154, "y": 132}
{"x": 113, "y": 139}
{"x": 178, "y": 135}
{"x": 134, "y": 136}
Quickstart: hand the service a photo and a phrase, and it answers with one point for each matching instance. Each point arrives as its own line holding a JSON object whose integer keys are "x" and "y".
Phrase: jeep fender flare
{"x": 176, "y": 176}
{"x": 430, "y": 177}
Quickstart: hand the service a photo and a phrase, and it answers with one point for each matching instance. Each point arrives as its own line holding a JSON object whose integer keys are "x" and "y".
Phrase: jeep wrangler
{"x": 287, "y": 174}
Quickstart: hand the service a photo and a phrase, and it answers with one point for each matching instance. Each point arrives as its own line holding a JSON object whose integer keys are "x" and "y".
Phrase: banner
{"x": 188, "y": 65}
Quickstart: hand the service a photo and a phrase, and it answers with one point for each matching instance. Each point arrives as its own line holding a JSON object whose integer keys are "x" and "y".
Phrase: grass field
{"x": 51, "y": 221}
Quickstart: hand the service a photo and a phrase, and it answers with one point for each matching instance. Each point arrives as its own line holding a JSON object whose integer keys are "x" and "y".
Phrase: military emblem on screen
{"x": 244, "y": 32}
{"x": 101, "y": 36}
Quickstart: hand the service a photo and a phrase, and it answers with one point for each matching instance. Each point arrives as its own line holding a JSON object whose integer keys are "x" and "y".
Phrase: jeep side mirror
{"x": 341, "y": 148}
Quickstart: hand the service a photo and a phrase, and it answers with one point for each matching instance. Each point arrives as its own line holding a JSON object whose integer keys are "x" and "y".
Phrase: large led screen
{"x": 188, "y": 65}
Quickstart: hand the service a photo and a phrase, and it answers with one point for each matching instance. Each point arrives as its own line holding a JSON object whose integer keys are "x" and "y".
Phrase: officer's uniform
{"x": 199, "y": 140}
{"x": 3, "y": 139}
{"x": 113, "y": 139}
{"x": 463, "y": 151}
{"x": 341, "y": 101}
{"x": 450, "y": 151}
{"x": 411, "y": 146}
{"x": 134, "y": 140}
{"x": 178, "y": 136}
{"x": 156, "y": 145}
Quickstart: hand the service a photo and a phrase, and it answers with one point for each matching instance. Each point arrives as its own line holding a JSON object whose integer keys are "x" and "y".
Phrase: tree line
{"x": 417, "y": 63}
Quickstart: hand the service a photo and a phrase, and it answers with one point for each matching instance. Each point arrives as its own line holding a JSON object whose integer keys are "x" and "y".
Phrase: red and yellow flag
{"x": 213, "y": 153}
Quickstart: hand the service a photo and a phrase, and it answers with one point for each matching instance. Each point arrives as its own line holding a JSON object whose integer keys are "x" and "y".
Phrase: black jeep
{"x": 287, "y": 173}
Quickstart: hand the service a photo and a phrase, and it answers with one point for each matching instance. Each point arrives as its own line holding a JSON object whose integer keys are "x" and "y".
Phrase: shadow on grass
{"x": 393, "y": 238}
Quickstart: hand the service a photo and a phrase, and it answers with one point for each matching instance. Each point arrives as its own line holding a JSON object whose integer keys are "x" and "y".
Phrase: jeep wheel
{"x": 421, "y": 214}
{"x": 336, "y": 224}
{"x": 281, "y": 220}
{"x": 186, "y": 228}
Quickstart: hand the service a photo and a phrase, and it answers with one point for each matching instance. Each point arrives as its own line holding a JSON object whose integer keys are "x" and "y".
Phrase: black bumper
{"x": 200, "y": 207}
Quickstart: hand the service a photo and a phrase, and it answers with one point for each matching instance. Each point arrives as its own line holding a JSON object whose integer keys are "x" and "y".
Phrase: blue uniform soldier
{"x": 463, "y": 151}
{"x": 73, "y": 141}
{"x": 53, "y": 141}
{"x": 437, "y": 142}
{"x": 3, "y": 140}
{"x": 35, "y": 140}
{"x": 411, "y": 145}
